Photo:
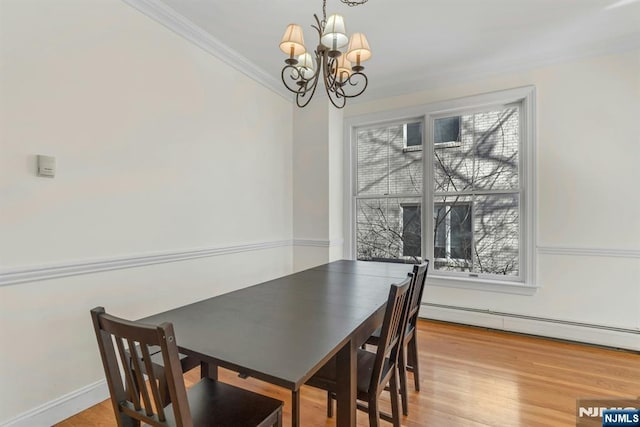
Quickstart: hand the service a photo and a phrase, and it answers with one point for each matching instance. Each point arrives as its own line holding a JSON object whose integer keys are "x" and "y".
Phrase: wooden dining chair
{"x": 376, "y": 370}
{"x": 208, "y": 403}
{"x": 408, "y": 359}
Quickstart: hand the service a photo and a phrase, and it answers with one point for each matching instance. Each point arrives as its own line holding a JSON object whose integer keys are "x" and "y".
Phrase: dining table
{"x": 283, "y": 330}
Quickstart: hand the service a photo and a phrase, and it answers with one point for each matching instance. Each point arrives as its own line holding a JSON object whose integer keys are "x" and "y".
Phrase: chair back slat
{"x": 153, "y": 382}
{"x": 129, "y": 376}
{"x": 138, "y": 372}
{"x": 393, "y": 326}
{"x": 419, "y": 278}
{"x": 133, "y": 341}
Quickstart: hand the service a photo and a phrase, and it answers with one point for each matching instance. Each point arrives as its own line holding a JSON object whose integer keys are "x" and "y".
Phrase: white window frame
{"x": 525, "y": 96}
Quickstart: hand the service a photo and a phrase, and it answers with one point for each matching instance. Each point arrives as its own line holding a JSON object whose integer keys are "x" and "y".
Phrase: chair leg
{"x": 393, "y": 391}
{"x": 402, "y": 372}
{"x": 413, "y": 352}
{"x": 329, "y": 405}
{"x": 374, "y": 412}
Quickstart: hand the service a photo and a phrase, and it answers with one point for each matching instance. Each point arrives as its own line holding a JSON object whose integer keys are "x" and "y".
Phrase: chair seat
{"x": 326, "y": 379}
{"x": 374, "y": 339}
{"x": 216, "y": 404}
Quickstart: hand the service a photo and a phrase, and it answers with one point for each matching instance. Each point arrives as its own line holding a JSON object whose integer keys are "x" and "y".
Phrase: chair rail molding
{"x": 15, "y": 276}
{"x": 321, "y": 243}
{"x": 594, "y": 252}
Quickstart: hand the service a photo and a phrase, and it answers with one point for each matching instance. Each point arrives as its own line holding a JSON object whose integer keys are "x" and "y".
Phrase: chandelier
{"x": 341, "y": 69}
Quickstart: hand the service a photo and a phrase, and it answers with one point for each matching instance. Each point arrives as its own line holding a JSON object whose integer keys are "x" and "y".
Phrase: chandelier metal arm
{"x": 331, "y": 83}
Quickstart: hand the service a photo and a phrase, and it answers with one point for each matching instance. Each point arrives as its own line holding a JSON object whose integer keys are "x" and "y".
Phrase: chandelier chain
{"x": 324, "y": 12}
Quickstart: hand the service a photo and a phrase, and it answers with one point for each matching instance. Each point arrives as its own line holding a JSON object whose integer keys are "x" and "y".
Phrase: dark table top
{"x": 283, "y": 330}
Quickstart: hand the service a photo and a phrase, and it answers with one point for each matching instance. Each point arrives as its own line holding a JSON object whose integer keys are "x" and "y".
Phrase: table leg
{"x": 295, "y": 408}
{"x": 208, "y": 370}
{"x": 346, "y": 385}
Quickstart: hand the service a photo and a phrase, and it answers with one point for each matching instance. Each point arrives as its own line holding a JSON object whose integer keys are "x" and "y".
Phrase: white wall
{"x": 160, "y": 148}
{"x": 588, "y": 212}
{"x": 317, "y": 183}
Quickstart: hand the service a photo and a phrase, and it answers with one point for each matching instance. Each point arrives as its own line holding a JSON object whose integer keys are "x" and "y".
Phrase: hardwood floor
{"x": 471, "y": 377}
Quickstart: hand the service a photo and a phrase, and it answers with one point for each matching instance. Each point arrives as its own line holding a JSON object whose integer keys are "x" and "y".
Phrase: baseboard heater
{"x": 533, "y": 318}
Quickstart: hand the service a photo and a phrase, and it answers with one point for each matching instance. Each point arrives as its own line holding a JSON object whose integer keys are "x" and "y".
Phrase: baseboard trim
{"x": 74, "y": 268}
{"x": 61, "y": 408}
{"x": 609, "y": 336}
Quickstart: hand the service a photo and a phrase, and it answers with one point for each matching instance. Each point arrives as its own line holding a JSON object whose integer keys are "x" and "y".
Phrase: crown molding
{"x": 182, "y": 26}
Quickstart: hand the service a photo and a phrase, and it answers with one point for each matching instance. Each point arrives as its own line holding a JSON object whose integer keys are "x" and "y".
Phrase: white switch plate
{"x": 46, "y": 166}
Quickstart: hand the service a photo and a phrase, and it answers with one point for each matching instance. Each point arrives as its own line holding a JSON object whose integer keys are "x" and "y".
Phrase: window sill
{"x": 412, "y": 148}
{"x": 448, "y": 144}
{"x": 487, "y": 285}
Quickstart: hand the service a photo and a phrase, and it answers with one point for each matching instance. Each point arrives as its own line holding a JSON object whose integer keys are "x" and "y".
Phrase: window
{"x": 413, "y": 134}
{"x": 446, "y": 130}
{"x": 472, "y": 176}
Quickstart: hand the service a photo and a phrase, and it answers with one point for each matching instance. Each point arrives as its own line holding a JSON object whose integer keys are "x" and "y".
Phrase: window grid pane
{"x": 384, "y": 166}
{"x": 386, "y": 229}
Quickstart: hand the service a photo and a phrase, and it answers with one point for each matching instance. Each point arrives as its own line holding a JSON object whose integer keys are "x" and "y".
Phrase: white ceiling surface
{"x": 418, "y": 44}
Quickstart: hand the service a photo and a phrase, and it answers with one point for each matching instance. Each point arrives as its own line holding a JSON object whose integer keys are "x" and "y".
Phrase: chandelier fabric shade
{"x": 358, "y": 50}
{"x": 293, "y": 41}
{"x": 339, "y": 67}
{"x": 306, "y": 65}
{"x": 335, "y": 33}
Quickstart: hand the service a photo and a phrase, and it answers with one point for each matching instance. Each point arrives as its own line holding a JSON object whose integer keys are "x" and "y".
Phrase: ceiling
{"x": 418, "y": 44}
